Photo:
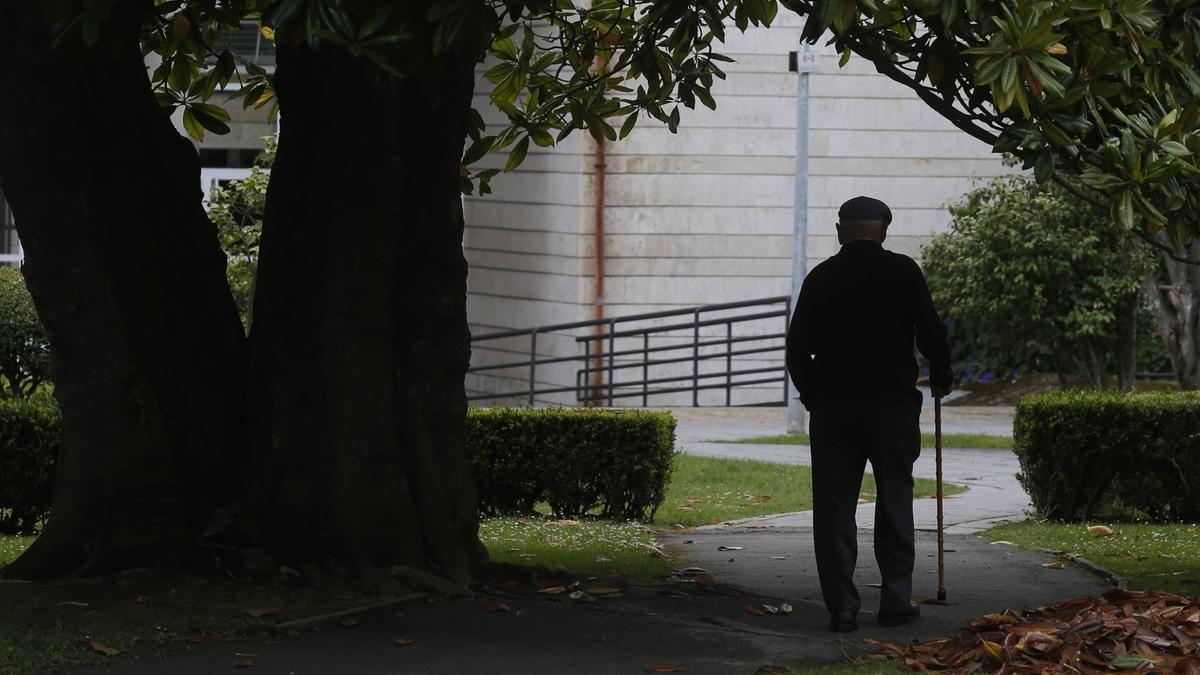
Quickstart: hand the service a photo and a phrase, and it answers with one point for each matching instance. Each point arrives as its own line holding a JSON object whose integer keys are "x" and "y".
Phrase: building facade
{"x": 705, "y": 215}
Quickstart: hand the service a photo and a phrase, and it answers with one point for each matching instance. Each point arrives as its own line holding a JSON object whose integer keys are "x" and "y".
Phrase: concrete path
{"x": 993, "y": 495}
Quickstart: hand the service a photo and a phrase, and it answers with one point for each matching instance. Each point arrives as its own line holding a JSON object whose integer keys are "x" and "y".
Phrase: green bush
{"x": 615, "y": 461}
{"x": 1090, "y": 453}
{"x": 28, "y": 452}
{"x": 24, "y": 350}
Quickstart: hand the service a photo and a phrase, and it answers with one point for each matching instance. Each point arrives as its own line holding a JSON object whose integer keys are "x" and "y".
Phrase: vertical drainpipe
{"x": 598, "y": 282}
{"x": 801, "y": 66}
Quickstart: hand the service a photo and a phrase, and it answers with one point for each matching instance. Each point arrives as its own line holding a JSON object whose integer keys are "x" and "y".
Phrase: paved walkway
{"x": 994, "y": 493}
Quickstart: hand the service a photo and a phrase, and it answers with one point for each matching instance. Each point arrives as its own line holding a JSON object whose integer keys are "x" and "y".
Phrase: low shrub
{"x": 1092, "y": 453}
{"x": 617, "y": 462}
{"x": 24, "y": 349}
{"x": 28, "y": 452}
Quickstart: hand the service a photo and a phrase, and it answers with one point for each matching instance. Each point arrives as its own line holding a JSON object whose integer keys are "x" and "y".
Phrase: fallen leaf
{"x": 755, "y": 609}
{"x": 405, "y": 642}
{"x": 1130, "y": 661}
{"x": 730, "y": 548}
{"x": 350, "y": 621}
{"x": 100, "y": 648}
{"x": 1100, "y": 530}
{"x": 493, "y": 607}
{"x": 665, "y": 668}
{"x": 603, "y": 590}
{"x": 260, "y": 612}
{"x": 553, "y": 590}
{"x": 992, "y": 650}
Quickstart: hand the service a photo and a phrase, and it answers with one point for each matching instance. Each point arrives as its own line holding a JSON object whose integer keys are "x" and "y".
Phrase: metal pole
{"x": 804, "y": 61}
{"x": 612, "y": 347}
{"x": 728, "y": 363}
{"x": 532, "y": 362}
{"x": 645, "y": 368}
{"x": 696, "y": 359}
{"x": 937, "y": 444}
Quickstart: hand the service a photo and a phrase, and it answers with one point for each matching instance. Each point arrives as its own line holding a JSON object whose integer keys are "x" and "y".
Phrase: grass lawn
{"x": 588, "y": 547}
{"x": 1152, "y": 557}
{"x": 708, "y": 490}
{"x": 703, "y": 491}
{"x": 11, "y": 547}
{"x": 948, "y": 440}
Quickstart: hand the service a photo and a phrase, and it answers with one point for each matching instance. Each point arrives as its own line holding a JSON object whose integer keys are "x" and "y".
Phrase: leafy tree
{"x": 236, "y": 208}
{"x": 337, "y": 426}
{"x": 24, "y": 351}
{"x": 1028, "y": 273}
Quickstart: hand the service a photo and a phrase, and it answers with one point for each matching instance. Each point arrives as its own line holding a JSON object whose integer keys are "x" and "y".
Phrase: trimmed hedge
{"x": 28, "y": 452}
{"x": 577, "y": 460}
{"x": 1091, "y": 453}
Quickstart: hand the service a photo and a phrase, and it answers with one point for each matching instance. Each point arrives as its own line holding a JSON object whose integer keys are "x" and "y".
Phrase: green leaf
{"x": 1175, "y": 148}
{"x": 627, "y": 125}
{"x": 517, "y": 154}
{"x": 1126, "y": 661}
{"x": 211, "y": 117}
{"x": 192, "y": 126}
{"x": 478, "y": 149}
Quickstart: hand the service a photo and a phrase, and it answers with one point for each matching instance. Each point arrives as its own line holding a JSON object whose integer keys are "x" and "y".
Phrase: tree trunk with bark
{"x": 1178, "y": 302}
{"x": 128, "y": 277}
{"x": 1126, "y": 343}
{"x": 359, "y": 345}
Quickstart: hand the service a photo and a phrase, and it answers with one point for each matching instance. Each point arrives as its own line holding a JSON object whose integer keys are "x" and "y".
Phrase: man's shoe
{"x": 900, "y": 617}
{"x": 843, "y": 621}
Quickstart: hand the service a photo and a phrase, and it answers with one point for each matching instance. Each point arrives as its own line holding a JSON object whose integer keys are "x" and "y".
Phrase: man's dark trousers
{"x": 843, "y": 439}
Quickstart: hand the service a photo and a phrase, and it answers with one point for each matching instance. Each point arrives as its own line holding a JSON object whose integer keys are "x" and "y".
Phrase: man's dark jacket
{"x": 853, "y": 329}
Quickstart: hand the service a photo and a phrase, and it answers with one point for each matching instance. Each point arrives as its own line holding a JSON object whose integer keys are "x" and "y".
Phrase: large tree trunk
{"x": 1126, "y": 343}
{"x": 1178, "y": 302}
{"x": 127, "y": 275}
{"x": 359, "y": 341}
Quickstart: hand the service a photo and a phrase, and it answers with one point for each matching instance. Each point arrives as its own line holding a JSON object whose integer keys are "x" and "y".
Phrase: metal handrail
{"x": 602, "y": 348}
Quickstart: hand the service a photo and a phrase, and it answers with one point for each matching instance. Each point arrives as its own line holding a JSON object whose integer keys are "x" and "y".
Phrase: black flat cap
{"x": 864, "y": 208}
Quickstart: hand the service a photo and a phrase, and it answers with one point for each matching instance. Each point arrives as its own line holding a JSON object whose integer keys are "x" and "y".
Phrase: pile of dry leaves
{"x": 1119, "y": 631}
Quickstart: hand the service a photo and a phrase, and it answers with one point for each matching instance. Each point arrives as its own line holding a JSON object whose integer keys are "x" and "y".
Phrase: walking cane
{"x": 937, "y": 444}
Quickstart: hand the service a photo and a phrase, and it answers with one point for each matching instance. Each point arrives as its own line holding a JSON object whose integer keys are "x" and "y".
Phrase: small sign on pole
{"x": 806, "y": 60}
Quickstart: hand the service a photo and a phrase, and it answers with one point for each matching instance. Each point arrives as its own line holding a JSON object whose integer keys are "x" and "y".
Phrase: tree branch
{"x": 885, "y": 66}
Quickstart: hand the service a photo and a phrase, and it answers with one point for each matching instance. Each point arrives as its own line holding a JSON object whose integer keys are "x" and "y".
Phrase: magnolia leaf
{"x": 517, "y": 154}
{"x": 100, "y": 648}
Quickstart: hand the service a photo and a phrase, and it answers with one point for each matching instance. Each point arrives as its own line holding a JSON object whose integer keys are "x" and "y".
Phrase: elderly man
{"x": 850, "y": 355}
